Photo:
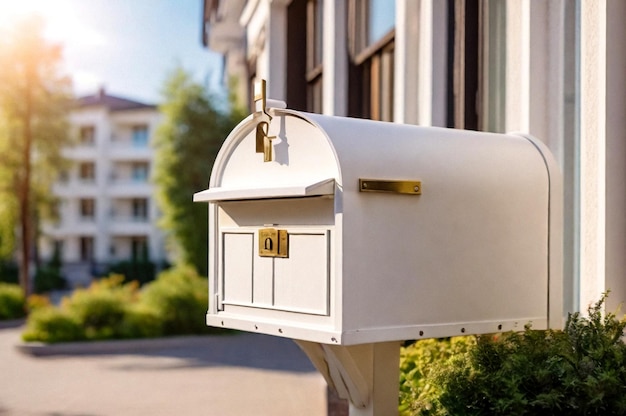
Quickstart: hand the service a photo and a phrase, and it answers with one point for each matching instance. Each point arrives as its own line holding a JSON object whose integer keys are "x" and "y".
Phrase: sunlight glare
{"x": 61, "y": 21}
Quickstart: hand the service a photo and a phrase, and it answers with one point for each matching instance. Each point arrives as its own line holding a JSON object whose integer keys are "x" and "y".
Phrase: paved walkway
{"x": 244, "y": 374}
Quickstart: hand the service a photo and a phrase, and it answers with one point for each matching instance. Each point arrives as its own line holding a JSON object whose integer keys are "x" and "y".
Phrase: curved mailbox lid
{"x": 303, "y": 164}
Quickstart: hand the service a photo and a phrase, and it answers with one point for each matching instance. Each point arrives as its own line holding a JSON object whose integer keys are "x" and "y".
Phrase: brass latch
{"x": 263, "y": 139}
{"x": 273, "y": 243}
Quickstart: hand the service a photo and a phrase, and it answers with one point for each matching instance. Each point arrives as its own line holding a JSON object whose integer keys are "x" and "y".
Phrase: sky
{"x": 126, "y": 46}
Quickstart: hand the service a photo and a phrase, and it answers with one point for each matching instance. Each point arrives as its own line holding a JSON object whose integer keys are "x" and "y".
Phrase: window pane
{"x": 87, "y": 171}
{"x": 140, "y": 172}
{"x": 140, "y": 136}
{"x": 87, "y": 209}
{"x": 381, "y": 19}
{"x": 86, "y": 248}
{"x": 140, "y": 209}
{"x": 87, "y": 135}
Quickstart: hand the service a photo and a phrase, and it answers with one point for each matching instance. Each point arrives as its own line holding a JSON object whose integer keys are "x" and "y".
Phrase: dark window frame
{"x": 371, "y": 68}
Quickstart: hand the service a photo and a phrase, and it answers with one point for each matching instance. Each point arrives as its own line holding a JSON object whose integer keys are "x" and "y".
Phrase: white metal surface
{"x": 477, "y": 252}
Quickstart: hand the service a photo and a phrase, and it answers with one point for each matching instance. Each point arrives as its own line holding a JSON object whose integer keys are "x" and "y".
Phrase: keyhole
{"x": 268, "y": 243}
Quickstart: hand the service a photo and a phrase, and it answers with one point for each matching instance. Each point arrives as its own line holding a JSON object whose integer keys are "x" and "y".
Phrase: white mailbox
{"x": 347, "y": 231}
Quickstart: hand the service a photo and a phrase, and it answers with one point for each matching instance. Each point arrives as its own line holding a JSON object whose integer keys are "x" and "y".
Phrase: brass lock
{"x": 273, "y": 243}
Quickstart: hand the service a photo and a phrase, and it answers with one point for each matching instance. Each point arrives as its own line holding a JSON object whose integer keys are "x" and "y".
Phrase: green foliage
{"x": 417, "y": 362}
{"x": 49, "y": 277}
{"x": 186, "y": 146}
{"x": 135, "y": 270}
{"x": 175, "y": 303}
{"x": 101, "y": 308}
{"x": 12, "y": 302}
{"x": 49, "y": 324}
{"x": 578, "y": 371}
{"x": 179, "y": 298}
{"x": 8, "y": 272}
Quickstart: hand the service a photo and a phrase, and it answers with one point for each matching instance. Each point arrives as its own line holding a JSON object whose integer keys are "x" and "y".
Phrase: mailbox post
{"x": 351, "y": 235}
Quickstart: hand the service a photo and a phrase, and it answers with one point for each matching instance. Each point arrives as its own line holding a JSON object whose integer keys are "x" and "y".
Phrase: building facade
{"x": 555, "y": 69}
{"x": 107, "y": 211}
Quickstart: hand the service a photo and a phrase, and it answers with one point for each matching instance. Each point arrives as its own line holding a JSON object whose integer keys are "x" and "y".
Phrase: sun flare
{"x": 61, "y": 20}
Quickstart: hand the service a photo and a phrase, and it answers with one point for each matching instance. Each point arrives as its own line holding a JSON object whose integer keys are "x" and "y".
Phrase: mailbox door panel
{"x": 298, "y": 283}
{"x": 301, "y": 281}
{"x": 237, "y": 263}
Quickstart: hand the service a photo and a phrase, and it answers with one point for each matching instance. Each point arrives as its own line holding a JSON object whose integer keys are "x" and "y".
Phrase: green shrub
{"x": 36, "y": 301}
{"x": 9, "y": 272}
{"x": 48, "y": 278}
{"x": 140, "y": 322}
{"x": 101, "y": 311}
{"x": 101, "y": 308}
{"x": 175, "y": 303}
{"x": 417, "y": 361}
{"x": 135, "y": 270}
{"x": 12, "y": 302}
{"x": 179, "y": 297}
{"x": 50, "y": 324}
{"x": 578, "y": 371}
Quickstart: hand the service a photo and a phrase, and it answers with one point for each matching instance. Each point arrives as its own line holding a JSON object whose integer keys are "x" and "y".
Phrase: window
{"x": 476, "y": 64}
{"x": 371, "y": 47}
{"x": 87, "y": 209}
{"x": 86, "y": 248}
{"x": 87, "y": 171}
{"x": 140, "y": 136}
{"x": 304, "y": 55}
{"x": 87, "y": 135}
{"x": 140, "y": 209}
{"x": 314, "y": 53}
{"x": 140, "y": 172}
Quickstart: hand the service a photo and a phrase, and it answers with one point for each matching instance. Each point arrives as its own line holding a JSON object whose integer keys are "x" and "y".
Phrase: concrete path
{"x": 232, "y": 375}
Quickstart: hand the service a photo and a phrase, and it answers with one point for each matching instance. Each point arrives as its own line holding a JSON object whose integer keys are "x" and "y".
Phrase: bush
{"x": 12, "y": 302}
{"x": 417, "y": 361}
{"x": 105, "y": 310}
{"x": 36, "y": 301}
{"x": 578, "y": 371}
{"x": 140, "y": 322}
{"x": 175, "y": 303}
{"x": 140, "y": 271}
{"x": 179, "y": 297}
{"x": 48, "y": 278}
{"x": 9, "y": 272}
{"x": 101, "y": 308}
{"x": 49, "y": 324}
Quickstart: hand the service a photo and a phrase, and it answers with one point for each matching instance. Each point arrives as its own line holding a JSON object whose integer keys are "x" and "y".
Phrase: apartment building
{"x": 107, "y": 208}
{"x": 555, "y": 69}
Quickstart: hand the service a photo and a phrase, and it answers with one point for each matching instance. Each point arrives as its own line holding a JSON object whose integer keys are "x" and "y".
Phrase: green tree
{"x": 187, "y": 143}
{"x": 34, "y": 100}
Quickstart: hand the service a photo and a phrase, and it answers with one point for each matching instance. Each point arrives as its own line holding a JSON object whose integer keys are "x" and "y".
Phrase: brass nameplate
{"x": 397, "y": 187}
{"x": 273, "y": 243}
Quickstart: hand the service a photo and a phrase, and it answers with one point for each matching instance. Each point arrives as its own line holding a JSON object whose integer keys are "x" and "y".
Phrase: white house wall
{"x": 615, "y": 152}
{"x": 564, "y": 84}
